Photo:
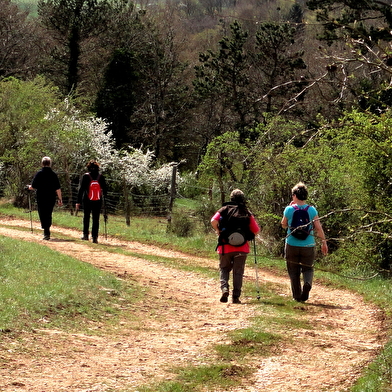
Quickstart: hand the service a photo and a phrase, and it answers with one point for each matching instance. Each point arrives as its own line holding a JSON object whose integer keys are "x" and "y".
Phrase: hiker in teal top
{"x": 300, "y": 253}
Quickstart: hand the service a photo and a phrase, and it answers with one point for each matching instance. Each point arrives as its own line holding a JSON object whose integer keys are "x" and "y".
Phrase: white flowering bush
{"x": 78, "y": 140}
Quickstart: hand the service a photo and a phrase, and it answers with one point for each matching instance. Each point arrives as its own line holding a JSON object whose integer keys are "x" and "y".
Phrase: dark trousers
{"x": 45, "y": 211}
{"x": 92, "y": 208}
{"x": 233, "y": 261}
{"x": 299, "y": 260}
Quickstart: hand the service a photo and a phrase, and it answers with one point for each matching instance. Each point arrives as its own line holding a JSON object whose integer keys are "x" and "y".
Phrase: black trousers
{"x": 91, "y": 208}
{"x": 45, "y": 211}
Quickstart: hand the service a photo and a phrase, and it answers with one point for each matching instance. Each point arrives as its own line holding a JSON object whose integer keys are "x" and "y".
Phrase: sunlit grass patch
{"x": 246, "y": 342}
{"x": 201, "y": 378}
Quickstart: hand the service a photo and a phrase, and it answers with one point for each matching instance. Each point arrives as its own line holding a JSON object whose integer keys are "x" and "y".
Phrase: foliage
{"x": 24, "y": 132}
{"x": 276, "y": 60}
{"x": 223, "y": 80}
{"x": 181, "y": 224}
{"x": 34, "y": 122}
{"x": 20, "y": 42}
{"x": 117, "y": 98}
{"x": 364, "y": 27}
{"x": 70, "y": 22}
{"x": 224, "y": 162}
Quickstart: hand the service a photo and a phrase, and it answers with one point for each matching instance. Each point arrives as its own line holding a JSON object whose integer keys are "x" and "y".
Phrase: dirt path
{"x": 181, "y": 318}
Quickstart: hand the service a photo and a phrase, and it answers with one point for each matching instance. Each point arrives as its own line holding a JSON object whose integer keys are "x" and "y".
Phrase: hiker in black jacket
{"x": 47, "y": 185}
{"x": 92, "y": 193}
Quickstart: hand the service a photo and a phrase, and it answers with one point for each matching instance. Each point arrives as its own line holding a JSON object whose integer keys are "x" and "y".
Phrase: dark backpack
{"x": 300, "y": 223}
{"x": 234, "y": 225}
{"x": 94, "y": 190}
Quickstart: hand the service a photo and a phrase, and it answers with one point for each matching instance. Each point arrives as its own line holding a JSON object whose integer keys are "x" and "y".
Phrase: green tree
{"x": 117, "y": 99}
{"x": 163, "y": 100}
{"x": 24, "y": 132}
{"x": 222, "y": 80}
{"x": 71, "y": 23}
{"x": 277, "y": 61}
{"x": 224, "y": 163}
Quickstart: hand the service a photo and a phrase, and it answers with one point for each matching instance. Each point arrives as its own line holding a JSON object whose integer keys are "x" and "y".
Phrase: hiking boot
{"x": 236, "y": 300}
{"x": 46, "y": 237}
{"x": 305, "y": 291}
{"x": 84, "y": 238}
{"x": 225, "y": 296}
{"x": 95, "y": 240}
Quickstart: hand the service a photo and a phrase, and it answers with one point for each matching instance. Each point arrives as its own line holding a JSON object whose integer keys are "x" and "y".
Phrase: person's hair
{"x": 237, "y": 196}
{"x": 46, "y": 161}
{"x": 92, "y": 165}
{"x": 300, "y": 190}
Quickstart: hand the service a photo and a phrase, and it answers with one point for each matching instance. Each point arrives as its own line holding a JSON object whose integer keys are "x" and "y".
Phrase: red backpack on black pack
{"x": 95, "y": 190}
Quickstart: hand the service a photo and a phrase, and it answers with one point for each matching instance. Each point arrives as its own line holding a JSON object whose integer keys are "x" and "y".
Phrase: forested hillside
{"x": 252, "y": 94}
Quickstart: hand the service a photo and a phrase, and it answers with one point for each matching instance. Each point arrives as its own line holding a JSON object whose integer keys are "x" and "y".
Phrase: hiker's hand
{"x": 60, "y": 202}
{"x": 77, "y": 205}
{"x": 324, "y": 247}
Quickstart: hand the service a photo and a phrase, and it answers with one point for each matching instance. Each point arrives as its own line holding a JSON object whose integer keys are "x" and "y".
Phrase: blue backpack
{"x": 300, "y": 224}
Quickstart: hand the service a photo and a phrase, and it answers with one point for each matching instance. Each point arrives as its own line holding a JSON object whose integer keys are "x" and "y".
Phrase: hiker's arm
{"x": 58, "y": 191}
{"x": 284, "y": 223}
{"x": 215, "y": 222}
{"x": 254, "y": 226}
{"x": 320, "y": 234}
{"x": 83, "y": 185}
{"x": 215, "y": 225}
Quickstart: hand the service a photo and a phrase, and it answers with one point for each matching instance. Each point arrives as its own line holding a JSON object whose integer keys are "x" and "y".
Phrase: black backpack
{"x": 234, "y": 225}
{"x": 300, "y": 223}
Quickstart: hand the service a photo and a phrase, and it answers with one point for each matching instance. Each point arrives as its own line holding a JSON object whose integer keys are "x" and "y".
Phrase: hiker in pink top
{"x": 235, "y": 226}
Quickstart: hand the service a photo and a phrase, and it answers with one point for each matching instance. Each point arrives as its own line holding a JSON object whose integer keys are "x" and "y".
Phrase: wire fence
{"x": 121, "y": 198}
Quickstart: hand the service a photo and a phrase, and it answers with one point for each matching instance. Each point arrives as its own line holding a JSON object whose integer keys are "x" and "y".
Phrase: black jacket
{"x": 85, "y": 184}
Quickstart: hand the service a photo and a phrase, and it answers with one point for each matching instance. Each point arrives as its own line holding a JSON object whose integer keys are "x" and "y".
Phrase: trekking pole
{"x": 105, "y": 218}
{"x": 27, "y": 189}
{"x": 256, "y": 269}
{"x": 31, "y": 217}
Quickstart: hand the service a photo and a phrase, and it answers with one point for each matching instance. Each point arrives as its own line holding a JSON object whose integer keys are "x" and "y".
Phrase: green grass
{"x": 37, "y": 283}
{"x": 151, "y": 230}
{"x": 247, "y": 342}
{"x": 201, "y": 378}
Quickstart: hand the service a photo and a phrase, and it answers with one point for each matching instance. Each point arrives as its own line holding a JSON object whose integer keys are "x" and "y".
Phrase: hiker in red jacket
{"x": 92, "y": 193}
{"x": 233, "y": 257}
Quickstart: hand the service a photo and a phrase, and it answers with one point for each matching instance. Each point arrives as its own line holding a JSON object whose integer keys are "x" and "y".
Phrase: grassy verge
{"x": 151, "y": 230}
{"x": 39, "y": 286}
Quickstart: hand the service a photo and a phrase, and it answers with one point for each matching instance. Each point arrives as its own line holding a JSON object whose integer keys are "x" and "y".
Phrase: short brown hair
{"x": 300, "y": 190}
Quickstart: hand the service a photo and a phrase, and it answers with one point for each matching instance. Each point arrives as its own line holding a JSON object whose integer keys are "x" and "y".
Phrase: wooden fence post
{"x": 172, "y": 192}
